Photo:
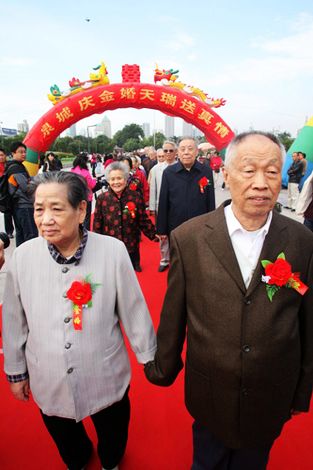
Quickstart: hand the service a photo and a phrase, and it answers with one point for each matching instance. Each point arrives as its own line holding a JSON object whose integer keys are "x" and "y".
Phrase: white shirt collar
{"x": 233, "y": 223}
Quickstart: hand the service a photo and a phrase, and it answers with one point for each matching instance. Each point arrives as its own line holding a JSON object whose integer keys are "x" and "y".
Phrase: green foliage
{"x": 155, "y": 140}
{"x": 131, "y": 131}
{"x": 6, "y": 142}
{"x": 64, "y": 155}
{"x": 286, "y": 139}
{"x": 131, "y": 144}
{"x": 271, "y": 291}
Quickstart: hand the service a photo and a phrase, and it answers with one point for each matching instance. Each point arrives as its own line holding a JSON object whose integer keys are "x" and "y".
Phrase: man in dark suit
{"x": 249, "y": 361}
{"x": 187, "y": 189}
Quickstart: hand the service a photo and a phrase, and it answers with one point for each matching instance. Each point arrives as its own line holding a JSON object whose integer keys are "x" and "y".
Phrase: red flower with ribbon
{"x": 279, "y": 274}
{"x": 203, "y": 183}
{"x": 133, "y": 186}
{"x": 80, "y": 293}
{"x": 131, "y": 208}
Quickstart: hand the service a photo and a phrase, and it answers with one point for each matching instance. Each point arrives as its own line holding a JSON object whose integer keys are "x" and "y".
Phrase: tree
{"x": 131, "y": 131}
{"x": 155, "y": 140}
{"x": 6, "y": 142}
{"x": 104, "y": 144}
{"x": 286, "y": 139}
{"x": 74, "y": 147}
{"x": 131, "y": 144}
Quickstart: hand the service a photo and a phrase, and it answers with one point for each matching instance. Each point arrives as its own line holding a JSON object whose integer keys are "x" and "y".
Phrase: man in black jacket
{"x": 187, "y": 189}
{"x": 23, "y": 211}
{"x": 295, "y": 173}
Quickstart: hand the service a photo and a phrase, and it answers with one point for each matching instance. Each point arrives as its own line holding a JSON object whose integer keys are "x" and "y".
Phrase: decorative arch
{"x": 101, "y": 98}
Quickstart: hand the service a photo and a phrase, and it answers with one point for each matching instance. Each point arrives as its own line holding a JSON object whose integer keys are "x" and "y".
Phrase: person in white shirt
{"x": 240, "y": 288}
{"x": 169, "y": 151}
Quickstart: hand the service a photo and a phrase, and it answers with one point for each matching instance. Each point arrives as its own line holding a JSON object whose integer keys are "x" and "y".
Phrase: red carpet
{"x": 160, "y": 430}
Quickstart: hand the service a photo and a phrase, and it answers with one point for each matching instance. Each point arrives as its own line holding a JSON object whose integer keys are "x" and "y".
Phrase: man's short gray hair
{"x": 231, "y": 149}
{"x": 116, "y": 166}
{"x": 170, "y": 142}
{"x": 188, "y": 137}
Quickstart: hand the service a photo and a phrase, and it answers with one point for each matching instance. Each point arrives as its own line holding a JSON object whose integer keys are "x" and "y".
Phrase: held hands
{"x": 161, "y": 237}
{"x": 21, "y": 390}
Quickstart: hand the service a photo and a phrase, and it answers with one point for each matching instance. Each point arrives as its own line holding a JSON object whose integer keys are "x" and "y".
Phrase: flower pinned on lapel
{"x": 133, "y": 186}
{"x": 131, "y": 208}
{"x": 279, "y": 274}
{"x": 80, "y": 293}
{"x": 203, "y": 183}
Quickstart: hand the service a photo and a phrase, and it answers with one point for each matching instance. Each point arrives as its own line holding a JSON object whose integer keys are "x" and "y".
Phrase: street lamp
{"x": 88, "y": 137}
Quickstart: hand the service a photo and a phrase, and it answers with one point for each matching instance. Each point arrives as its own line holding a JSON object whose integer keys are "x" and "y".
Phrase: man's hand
{"x": 1, "y": 253}
{"x": 20, "y": 390}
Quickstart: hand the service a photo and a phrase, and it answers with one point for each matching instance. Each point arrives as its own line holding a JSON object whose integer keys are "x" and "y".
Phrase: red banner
{"x": 167, "y": 99}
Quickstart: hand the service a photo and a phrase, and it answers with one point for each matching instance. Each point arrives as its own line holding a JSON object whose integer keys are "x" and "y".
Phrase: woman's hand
{"x": 20, "y": 390}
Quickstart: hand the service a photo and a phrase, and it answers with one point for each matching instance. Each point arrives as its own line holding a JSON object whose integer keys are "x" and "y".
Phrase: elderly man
{"x": 150, "y": 160}
{"x": 156, "y": 173}
{"x": 187, "y": 189}
{"x": 249, "y": 364}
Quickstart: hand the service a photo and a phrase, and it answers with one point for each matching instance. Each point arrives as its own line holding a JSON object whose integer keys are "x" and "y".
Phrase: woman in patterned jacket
{"x": 120, "y": 212}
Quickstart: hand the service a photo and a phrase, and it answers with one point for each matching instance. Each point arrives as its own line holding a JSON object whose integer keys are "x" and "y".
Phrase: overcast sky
{"x": 256, "y": 55}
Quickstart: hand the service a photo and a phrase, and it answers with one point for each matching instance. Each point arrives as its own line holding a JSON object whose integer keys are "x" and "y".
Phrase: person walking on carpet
{"x": 62, "y": 316}
{"x": 249, "y": 359}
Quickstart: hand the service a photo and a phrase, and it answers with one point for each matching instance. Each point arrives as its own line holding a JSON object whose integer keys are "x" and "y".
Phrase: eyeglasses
{"x": 168, "y": 150}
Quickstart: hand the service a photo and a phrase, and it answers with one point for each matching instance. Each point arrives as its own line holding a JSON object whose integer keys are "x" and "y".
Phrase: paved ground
{"x": 220, "y": 197}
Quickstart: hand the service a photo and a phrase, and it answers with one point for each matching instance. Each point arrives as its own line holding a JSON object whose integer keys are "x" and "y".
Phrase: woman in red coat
{"x": 120, "y": 212}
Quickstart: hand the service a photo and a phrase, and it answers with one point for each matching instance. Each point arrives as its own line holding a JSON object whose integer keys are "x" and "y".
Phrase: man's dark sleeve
{"x": 211, "y": 192}
{"x": 304, "y": 388}
{"x": 162, "y": 218}
{"x": 172, "y": 329}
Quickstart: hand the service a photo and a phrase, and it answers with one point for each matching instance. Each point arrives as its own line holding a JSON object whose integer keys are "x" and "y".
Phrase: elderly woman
{"x": 120, "y": 212}
{"x": 62, "y": 337}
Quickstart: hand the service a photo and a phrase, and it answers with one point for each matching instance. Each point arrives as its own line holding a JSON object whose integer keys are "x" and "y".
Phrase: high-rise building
{"x": 23, "y": 126}
{"x": 146, "y": 129}
{"x": 187, "y": 129}
{"x": 191, "y": 131}
{"x": 169, "y": 126}
{"x": 104, "y": 128}
{"x": 197, "y": 132}
{"x": 72, "y": 131}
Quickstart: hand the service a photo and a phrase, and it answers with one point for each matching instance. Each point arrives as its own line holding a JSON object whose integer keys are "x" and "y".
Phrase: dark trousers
{"x": 25, "y": 226}
{"x": 74, "y": 445}
{"x": 135, "y": 257}
{"x": 8, "y": 223}
{"x": 209, "y": 453}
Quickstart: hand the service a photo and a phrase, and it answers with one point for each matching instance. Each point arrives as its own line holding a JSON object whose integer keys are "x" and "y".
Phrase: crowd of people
{"x": 249, "y": 359}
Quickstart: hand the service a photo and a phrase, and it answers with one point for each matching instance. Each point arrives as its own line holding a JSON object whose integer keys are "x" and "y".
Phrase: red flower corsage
{"x": 80, "y": 293}
{"x": 131, "y": 208}
{"x": 203, "y": 183}
{"x": 133, "y": 186}
{"x": 279, "y": 274}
